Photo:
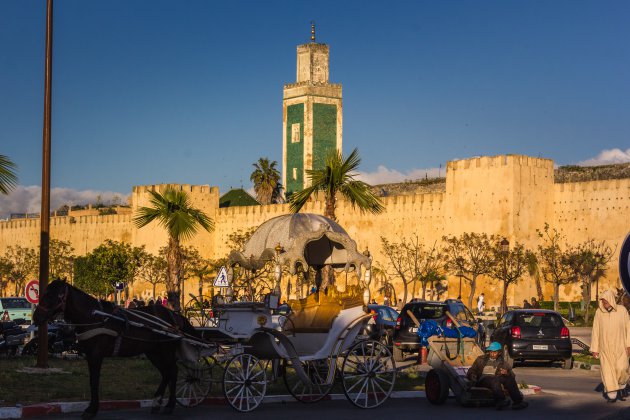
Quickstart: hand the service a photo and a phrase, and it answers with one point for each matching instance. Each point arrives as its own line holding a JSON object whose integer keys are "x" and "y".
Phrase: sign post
{"x": 222, "y": 280}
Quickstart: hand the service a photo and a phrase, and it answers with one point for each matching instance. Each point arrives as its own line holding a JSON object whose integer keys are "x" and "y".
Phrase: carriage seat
{"x": 317, "y": 312}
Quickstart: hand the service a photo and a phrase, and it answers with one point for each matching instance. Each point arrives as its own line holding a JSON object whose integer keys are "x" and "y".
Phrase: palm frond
{"x": 8, "y": 177}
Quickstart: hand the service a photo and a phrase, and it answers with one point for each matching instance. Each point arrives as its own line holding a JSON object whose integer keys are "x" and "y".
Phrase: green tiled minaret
{"x": 311, "y": 116}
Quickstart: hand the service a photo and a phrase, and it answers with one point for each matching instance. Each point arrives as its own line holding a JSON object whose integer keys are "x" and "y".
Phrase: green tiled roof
{"x": 237, "y": 197}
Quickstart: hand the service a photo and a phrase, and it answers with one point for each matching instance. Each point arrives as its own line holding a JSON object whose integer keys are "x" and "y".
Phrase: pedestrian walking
{"x": 400, "y": 305}
{"x": 535, "y": 303}
{"x": 526, "y": 304}
{"x": 610, "y": 343}
{"x": 481, "y": 303}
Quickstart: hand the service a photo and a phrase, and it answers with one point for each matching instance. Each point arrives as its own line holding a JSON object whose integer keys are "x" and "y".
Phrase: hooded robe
{"x": 611, "y": 338}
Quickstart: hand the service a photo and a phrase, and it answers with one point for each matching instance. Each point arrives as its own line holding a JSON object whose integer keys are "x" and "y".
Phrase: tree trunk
{"x": 504, "y": 298}
{"x": 413, "y": 289}
{"x": 539, "y": 289}
{"x": 174, "y": 259}
{"x": 329, "y": 211}
{"x": 556, "y": 295}
{"x": 153, "y": 291}
{"x": 587, "y": 300}
{"x": 405, "y": 287}
{"x": 424, "y": 291}
{"x": 473, "y": 286}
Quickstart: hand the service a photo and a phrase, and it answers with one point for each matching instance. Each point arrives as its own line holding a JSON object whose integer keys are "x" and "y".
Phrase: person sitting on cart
{"x": 490, "y": 371}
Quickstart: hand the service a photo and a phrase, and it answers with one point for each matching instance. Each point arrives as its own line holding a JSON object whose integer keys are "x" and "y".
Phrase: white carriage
{"x": 310, "y": 348}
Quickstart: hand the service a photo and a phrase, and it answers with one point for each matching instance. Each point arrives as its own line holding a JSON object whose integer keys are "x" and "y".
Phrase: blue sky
{"x": 190, "y": 91}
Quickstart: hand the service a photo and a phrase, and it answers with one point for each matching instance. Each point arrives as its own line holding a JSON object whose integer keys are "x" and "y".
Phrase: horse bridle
{"x": 61, "y": 305}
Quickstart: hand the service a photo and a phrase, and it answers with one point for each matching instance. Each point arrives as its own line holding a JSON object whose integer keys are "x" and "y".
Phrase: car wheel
{"x": 567, "y": 363}
{"x": 398, "y": 354}
{"x": 507, "y": 358}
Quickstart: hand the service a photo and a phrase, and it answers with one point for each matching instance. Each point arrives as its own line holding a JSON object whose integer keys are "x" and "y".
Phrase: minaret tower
{"x": 311, "y": 116}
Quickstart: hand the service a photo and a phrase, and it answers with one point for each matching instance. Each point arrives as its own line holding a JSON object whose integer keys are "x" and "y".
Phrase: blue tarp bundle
{"x": 430, "y": 328}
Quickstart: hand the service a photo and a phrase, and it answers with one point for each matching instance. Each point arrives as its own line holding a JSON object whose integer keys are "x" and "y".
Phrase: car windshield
{"x": 539, "y": 320}
{"x": 428, "y": 311}
{"x": 15, "y": 303}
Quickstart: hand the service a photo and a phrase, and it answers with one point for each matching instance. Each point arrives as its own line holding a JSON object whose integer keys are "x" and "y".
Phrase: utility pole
{"x": 44, "y": 250}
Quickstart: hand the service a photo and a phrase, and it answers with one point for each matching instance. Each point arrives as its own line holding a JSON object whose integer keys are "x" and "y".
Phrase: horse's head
{"x": 52, "y": 302}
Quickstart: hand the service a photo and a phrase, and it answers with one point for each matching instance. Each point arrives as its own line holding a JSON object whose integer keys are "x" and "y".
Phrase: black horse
{"x": 118, "y": 335}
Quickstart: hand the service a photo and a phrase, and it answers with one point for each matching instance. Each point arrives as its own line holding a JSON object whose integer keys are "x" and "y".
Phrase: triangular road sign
{"x": 222, "y": 278}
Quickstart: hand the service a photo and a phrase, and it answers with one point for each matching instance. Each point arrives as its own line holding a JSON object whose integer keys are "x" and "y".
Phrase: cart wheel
{"x": 368, "y": 374}
{"x": 436, "y": 386}
{"x": 194, "y": 380}
{"x": 319, "y": 372}
{"x": 244, "y": 382}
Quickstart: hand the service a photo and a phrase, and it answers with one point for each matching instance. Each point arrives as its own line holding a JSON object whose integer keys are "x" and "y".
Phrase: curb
{"x": 79, "y": 406}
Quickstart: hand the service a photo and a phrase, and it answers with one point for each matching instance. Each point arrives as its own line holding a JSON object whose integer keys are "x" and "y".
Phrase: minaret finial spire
{"x": 312, "y": 31}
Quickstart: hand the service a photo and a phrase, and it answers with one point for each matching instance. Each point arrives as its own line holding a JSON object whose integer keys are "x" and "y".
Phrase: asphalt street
{"x": 567, "y": 395}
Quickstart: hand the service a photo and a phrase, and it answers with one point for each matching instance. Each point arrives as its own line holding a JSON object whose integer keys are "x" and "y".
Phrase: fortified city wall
{"x": 508, "y": 195}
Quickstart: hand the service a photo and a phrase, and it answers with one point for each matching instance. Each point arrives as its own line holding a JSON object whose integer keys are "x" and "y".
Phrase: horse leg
{"x": 95, "y": 361}
{"x": 159, "y": 393}
{"x": 171, "y": 369}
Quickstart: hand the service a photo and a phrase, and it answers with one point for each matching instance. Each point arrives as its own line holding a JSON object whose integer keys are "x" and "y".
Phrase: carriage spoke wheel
{"x": 322, "y": 380}
{"x": 368, "y": 374}
{"x": 244, "y": 382}
{"x": 194, "y": 380}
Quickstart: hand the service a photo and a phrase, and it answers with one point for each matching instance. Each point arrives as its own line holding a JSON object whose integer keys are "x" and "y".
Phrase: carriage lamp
{"x": 262, "y": 320}
{"x": 279, "y": 249}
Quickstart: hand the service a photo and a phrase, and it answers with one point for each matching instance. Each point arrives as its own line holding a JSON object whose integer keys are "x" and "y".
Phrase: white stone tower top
{"x": 312, "y": 61}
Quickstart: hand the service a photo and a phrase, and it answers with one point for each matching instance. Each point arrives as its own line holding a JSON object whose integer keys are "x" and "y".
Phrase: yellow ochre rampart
{"x": 507, "y": 195}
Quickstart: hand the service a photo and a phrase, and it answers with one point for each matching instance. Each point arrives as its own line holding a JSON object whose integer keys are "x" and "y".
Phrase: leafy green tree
{"x": 266, "y": 179}
{"x": 6, "y": 267}
{"x": 469, "y": 256}
{"x": 338, "y": 177}
{"x": 61, "y": 259}
{"x": 554, "y": 261}
{"x": 8, "y": 176}
{"x": 174, "y": 211}
{"x": 508, "y": 267}
{"x": 25, "y": 262}
{"x": 111, "y": 262}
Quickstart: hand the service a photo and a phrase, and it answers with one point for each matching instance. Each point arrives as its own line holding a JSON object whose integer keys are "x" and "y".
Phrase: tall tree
{"x": 469, "y": 256}
{"x": 534, "y": 272}
{"x": 25, "y": 262}
{"x": 508, "y": 267}
{"x": 154, "y": 271}
{"x": 588, "y": 261}
{"x": 338, "y": 177}
{"x": 8, "y": 175}
{"x": 554, "y": 260}
{"x": 109, "y": 263}
{"x": 174, "y": 211}
{"x": 61, "y": 259}
{"x": 266, "y": 179}
{"x": 403, "y": 257}
{"x": 6, "y": 267}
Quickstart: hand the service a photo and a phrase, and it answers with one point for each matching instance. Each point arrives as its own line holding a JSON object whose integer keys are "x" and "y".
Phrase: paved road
{"x": 569, "y": 394}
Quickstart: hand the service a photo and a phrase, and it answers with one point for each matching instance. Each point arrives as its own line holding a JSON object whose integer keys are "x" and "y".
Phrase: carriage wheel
{"x": 194, "y": 381}
{"x": 317, "y": 371}
{"x": 244, "y": 382}
{"x": 368, "y": 374}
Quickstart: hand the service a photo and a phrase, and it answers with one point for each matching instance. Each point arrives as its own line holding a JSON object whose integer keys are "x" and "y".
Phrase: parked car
{"x": 534, "y": 334}
{"x": 17, "y": 307}
{"x": 381, "y": 326}
{"x": 406, "y": 338}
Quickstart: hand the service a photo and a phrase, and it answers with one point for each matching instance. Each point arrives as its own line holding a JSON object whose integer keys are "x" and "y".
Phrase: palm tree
{"x": 173, "y": 211}
{"x": 337, "y": 176}
{"x": 266, "y": 179}
{"x": 8, "y": 177}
